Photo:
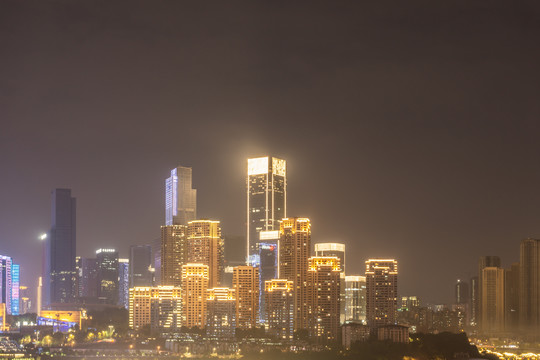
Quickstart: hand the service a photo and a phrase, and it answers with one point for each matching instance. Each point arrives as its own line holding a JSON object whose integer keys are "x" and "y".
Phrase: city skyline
{"x": 409, "y": 131}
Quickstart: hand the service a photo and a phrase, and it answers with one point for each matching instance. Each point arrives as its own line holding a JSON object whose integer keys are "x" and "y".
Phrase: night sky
{"x": 410, "y": 129}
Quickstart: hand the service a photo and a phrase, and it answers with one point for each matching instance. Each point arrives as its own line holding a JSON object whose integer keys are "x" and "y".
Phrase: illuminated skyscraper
{"x": 492, "y": 291}
{"x": 61, "y": 273}
{"x": 180, "y": 197}
{"x": 123, "y": 283}
{"x": 355, "y": 299}
{"x": 266, "y": 197}
{"x": 159, "y": 307}
{"x": 140, "y": 262}
{"x": 107, "y": 275}
{"x": 205, "y": 246}
{"x": 221, "y": 313}
{"x": 324, "y": 286}
{"x": 194, "y": 288}
{"x": 6, "y": 281}
{"x": 173, "y": 254}
{"x": 294, "y": 251}
{"x": 246, "y": 286}
{"x": 15, "y": 284}
{"x": 381, "y": 292}
{"x": 279, "y": 308}
{"x": 529, "y": 287}
{"x": 335, "y": 249}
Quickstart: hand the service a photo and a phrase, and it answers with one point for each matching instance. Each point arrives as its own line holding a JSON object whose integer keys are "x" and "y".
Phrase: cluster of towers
{"x": 282, "y": 286}
{"x": 505, "y": 301}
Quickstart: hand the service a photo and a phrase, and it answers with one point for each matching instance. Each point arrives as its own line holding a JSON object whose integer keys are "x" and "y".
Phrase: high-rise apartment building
{"x": 324, "y": 287}
{"x": 355, "y": 299}
{"x": 205, "y": 246}
{"x": 60, "y": 273}
{"x": 266, "y": 197}
{"x": 484, "y": 261}
{"x": 107, "y": 275}
{"x": 246, "y": 287}
{"x": 529, "y": 287}
{"x": 278, "y": 308}
{"x": 159, "y": 307}
{"x": 221, "y": 313}
{"x": 294, "y": 251}
{"x": 180, "y": 197}
{"x": 123, "y": 283}
{"x": 381, "y": 292}
{"x": 194, "y": 288}
{"x": 492, "y": 295}
{"x": 140, "y": 263}
{"x": 338, "y": 250}
{"x": 173, "y": 254}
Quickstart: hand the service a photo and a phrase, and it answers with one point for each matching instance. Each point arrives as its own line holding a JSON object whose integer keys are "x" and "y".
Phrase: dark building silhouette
{"x": 529, "y": 287}
{"x": 107, "y": 276}
{"x": 60, "y": 271}
{"x": 474, "y": 301}
{"x": 140, "y": 261}
{"x": 88, "y": 270}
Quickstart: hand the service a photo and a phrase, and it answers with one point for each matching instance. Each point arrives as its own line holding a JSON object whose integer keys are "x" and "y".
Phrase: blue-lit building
{"x": 123, "y": 283}
{"x": 15, "y": 284}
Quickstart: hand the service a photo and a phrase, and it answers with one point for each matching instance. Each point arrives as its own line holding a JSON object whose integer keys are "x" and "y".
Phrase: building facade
{"x": 268, "y": 262}
{"x": 529, "y": 287}
{"x": 60, "y": 273}
{"x": 205, "y": 246}
{"x": 140, "y": 262}
{"x": 159, "y": 307}
{"x": 266, "y": 197}
{"x": 381, "y": 292}
{"x": 180, "y": 197}
{"x": 123, "y": 283}
{"x": 221, "y": 313}
{"x": 324, "y": 289}
{"x": 173, "y": 254}
{"x": 338, "y": 250}
{"x": 492, "y": 295}
{"x": 279, "y": 308}
{"x": 195, "y": 281}
{"x": 246, "y": 287}
{"x": 355, "y": 299}
{"x": 294, "y": 251}
{"x": 107, "y": 275}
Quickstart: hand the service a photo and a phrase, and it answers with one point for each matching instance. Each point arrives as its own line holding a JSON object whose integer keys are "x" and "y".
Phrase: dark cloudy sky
{"x": 411, "y": 129}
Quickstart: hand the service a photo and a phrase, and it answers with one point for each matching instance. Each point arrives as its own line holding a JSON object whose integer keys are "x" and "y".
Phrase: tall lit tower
{"x": 266, "y": 197}
{"x": 278, "y": 308}
{"x": 492, "y": 291}
{"x": 355, "y": 298}
{"x": 294, "y": 251}
{"x": 107, "y": 275}
{"x": 61, "y": 273}
{"x": 335, "y": 249}
{"x": 246, "y": 287}
{"x": 194, "y": 289}
{"x": 324, "y": 297}
{"x": 173, "y": 254}
{"x": 180, "y": 197}
{"x": 205, "y": 246}
{"x": 381, "y": 292}
{"x": 6, "y": 284}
